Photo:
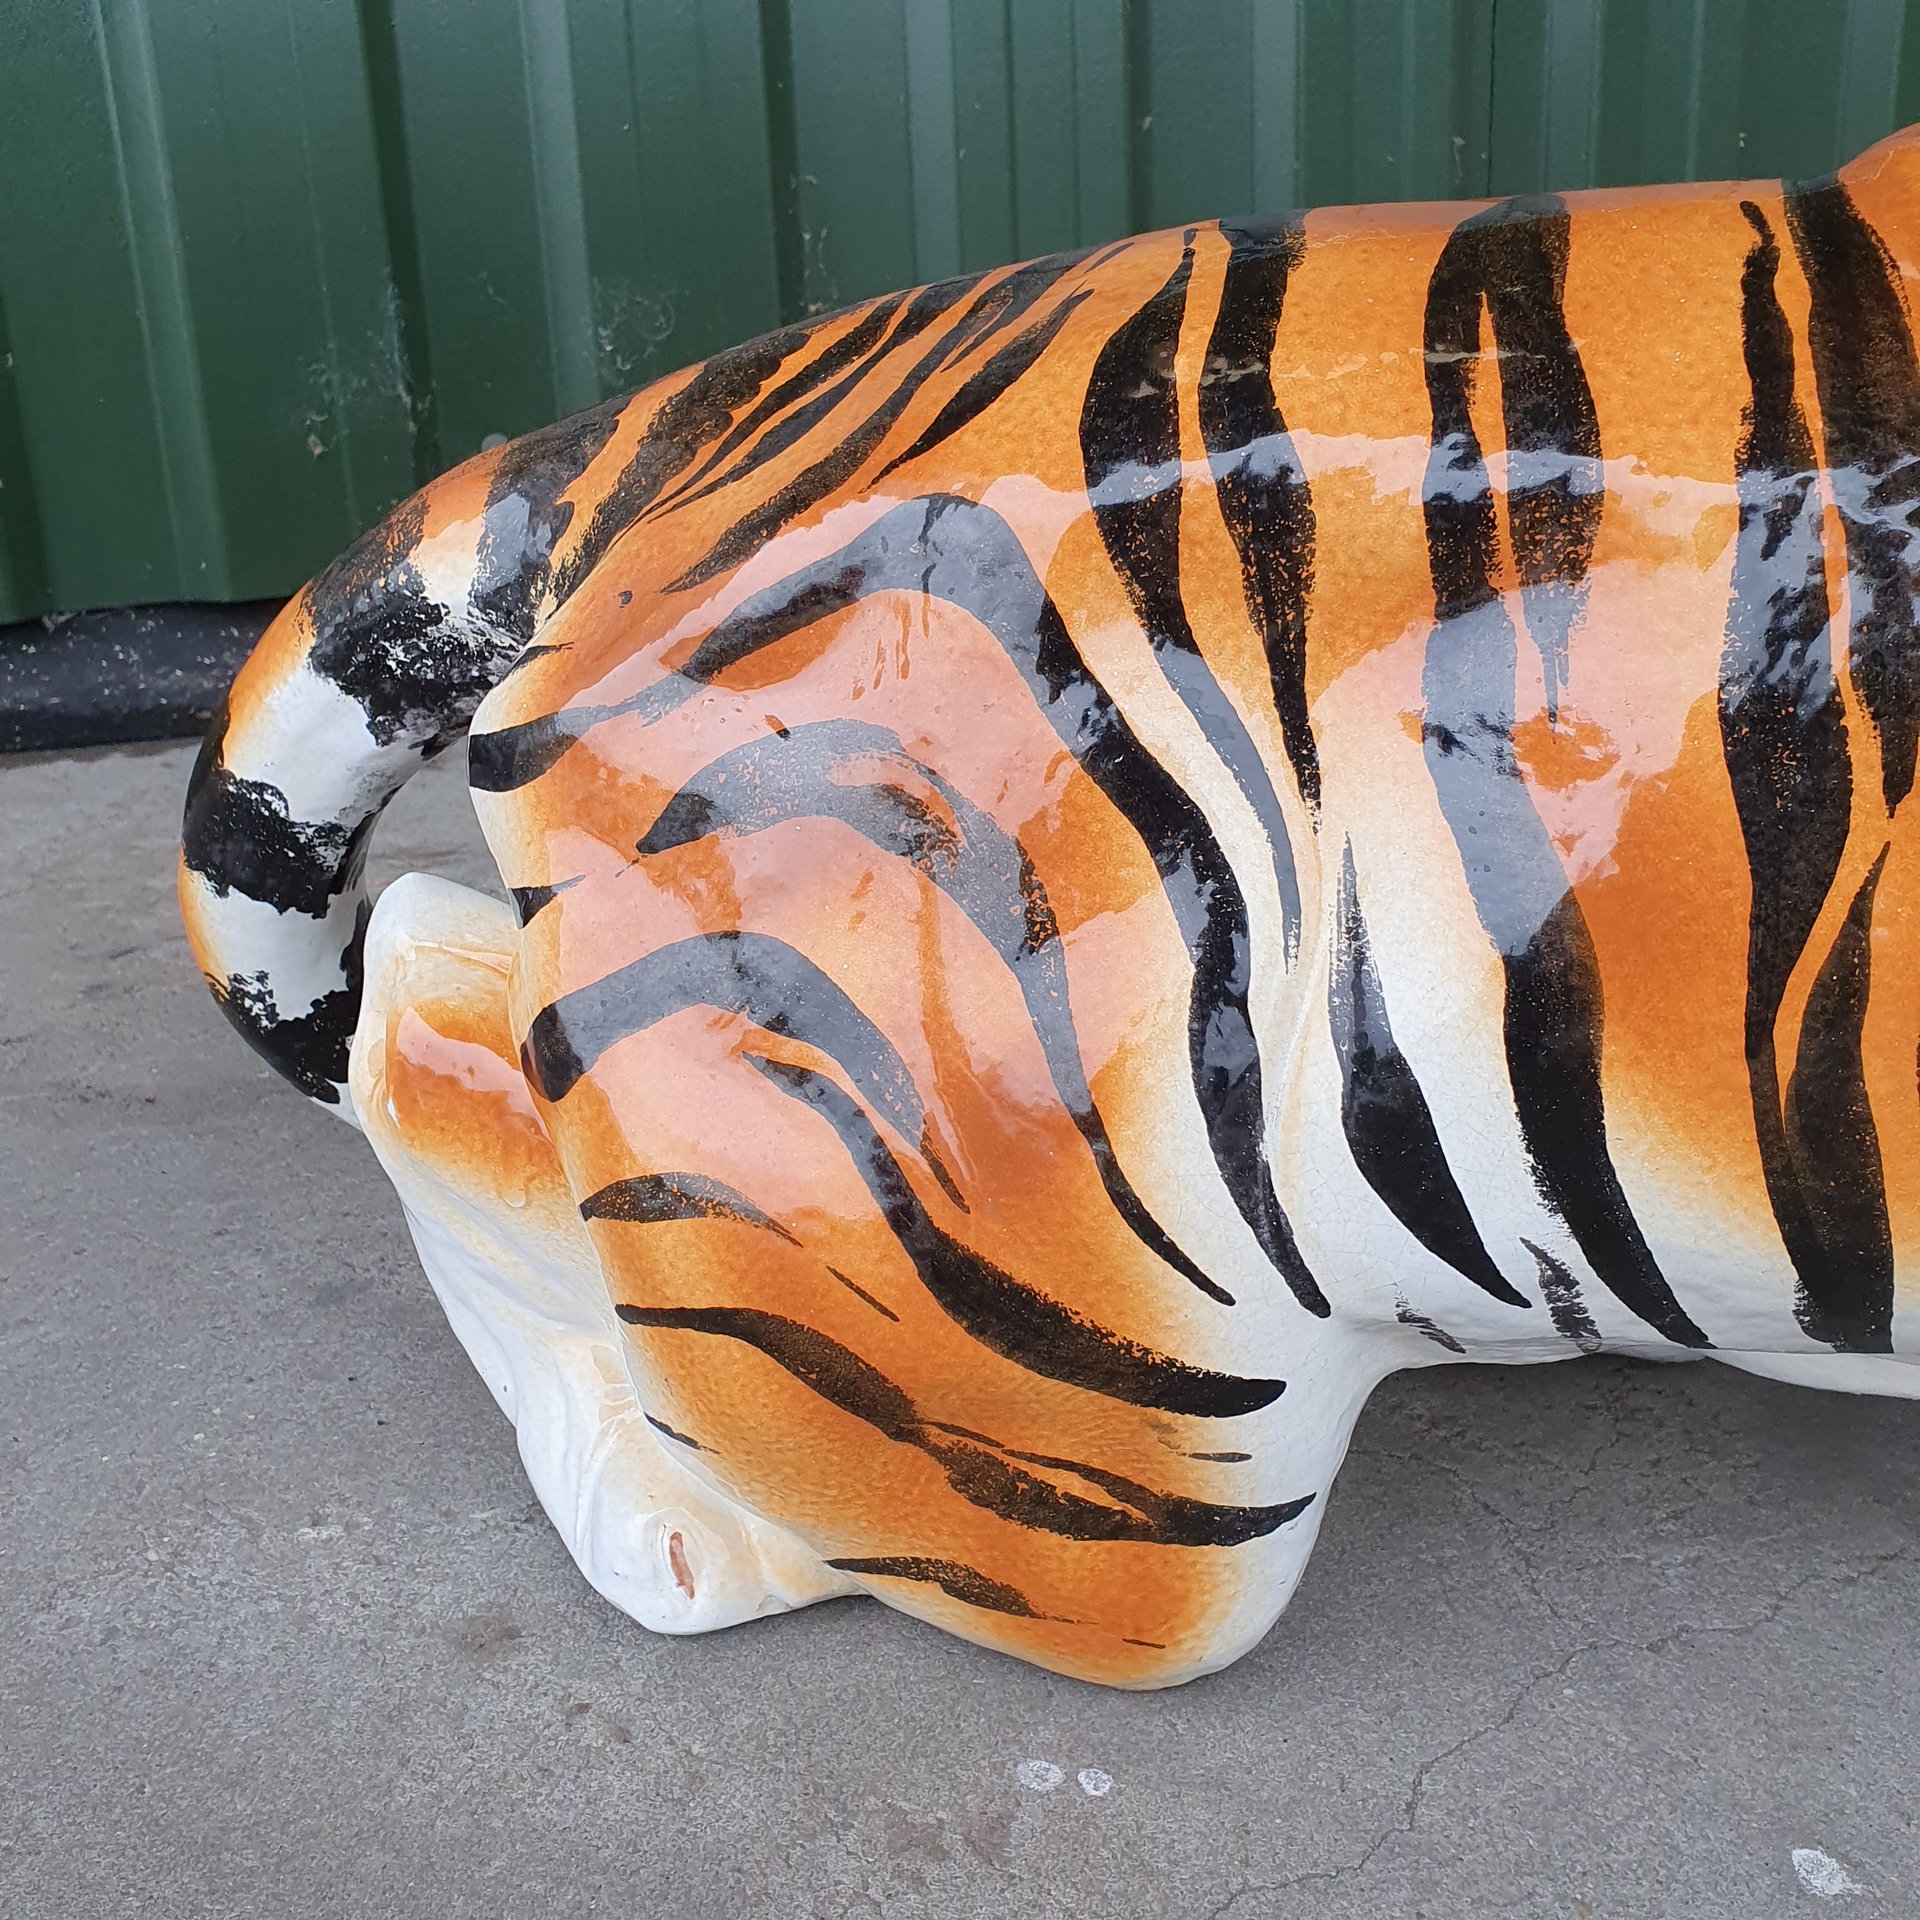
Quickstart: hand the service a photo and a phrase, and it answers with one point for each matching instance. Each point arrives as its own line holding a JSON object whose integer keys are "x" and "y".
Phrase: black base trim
{"x": 134, "y": 673}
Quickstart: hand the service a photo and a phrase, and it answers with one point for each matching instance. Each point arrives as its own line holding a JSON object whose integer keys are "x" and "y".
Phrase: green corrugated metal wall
{"x": 265, "y": 265}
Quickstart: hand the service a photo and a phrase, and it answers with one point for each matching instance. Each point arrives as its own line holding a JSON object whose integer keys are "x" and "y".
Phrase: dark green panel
{"x": 1111, "y": 90}
{"x": 1263, "y": 105}
{"x": 1275, "y": 76}
{"x": 387, "y": 155}
{"x": 853, "y": 149}
{"x": 1076, "y": 176}
{"x": 23, "y": 556}
{"x": 298, "y": 399}
{"x": 90, "y": 512}
{"x": 1395, "y": 100}
{"x": 933, "y": 136}
{"x": 1196, "y": 70}
{"x": 983, "y": 40}
{"x": 1048, "y": 78}
{"x": 266, "y": 264}
{"x": 1632, "y": 92}
{"x": 680, "y": 229}
{"x": 1872, "y": 53}
{"x": 465, "y": 85}
{"x": 1905, "y": 78}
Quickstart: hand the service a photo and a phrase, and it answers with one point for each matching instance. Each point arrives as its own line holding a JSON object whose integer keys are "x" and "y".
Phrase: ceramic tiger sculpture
{"x": 1105, "y": 853}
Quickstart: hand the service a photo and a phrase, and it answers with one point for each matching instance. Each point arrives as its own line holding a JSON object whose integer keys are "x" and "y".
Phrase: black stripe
{"x": 1257, "y": 476}
{"x": 774, "y": 985}
{"x": 1006, "y": 1315}
{"x": 1514, "y": 258}
{"x": 527, "y": 656}
{"x": 1565, "y": 1307}
{"x": 311, "y": 1048}
{"x": 1784, "y": 733}
{"x": 803, "y": 773}
{"x": 527, "y": 901}
{"x": 859, "y": 1292}
{"x": 690, "y": 418}
{"x": 999, "y": 306}
{"x": 927, "y": 306}
{"x": 820, "y": 1363}
{"x": 1869, "y": 382}
{"x": 956, "y": 1581}
{"x": 384, "y": 642}
{"x": 1511, "y": 256}
{"x": 1110, "y": 251}
{"x": 672, "y": 1433}
{"x": 1553, "y": 516}
{"x": 516, "y": 756}
{"x": 1174, "y": 1519}
{"x": 644, "y": 1198}
{"x": 807, "y": 489}
{"x": 1427, "y": 1328}
{"x": 240, "y": 836}
{"x": 856, "y": 344}
{"x": 1384, "y": 1112}
{"x": 963, "y": 553}
{"x": 1554, "y": 1022}
{"x": 1130, "y": 443}
{"x": 983, "y": 387}
{"x": 1835, "y": 1148}
{"x": 1007, "y": 301}
{"x": 982, "y": 1477}
{"x": 526, "y": 517}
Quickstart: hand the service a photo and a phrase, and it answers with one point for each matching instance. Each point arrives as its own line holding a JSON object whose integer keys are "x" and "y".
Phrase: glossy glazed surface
{"x": 1108, "y": 852}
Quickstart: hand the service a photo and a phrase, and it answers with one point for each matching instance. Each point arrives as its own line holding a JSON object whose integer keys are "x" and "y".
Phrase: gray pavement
{"x": 282, "y": 1633}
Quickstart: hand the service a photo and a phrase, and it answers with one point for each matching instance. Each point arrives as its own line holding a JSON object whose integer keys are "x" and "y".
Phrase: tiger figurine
{"x": 1103, "y": 854}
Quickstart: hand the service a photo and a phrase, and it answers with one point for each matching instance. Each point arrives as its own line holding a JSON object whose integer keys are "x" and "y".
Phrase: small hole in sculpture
{"x": 677, "y": 1560}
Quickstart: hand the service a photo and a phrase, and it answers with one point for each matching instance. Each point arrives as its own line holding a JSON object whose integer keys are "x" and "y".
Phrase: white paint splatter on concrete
{"x": 1822, "y": 1875}
{"x": 1042, "y": 1776}
{"x": 1094, "y": 1782}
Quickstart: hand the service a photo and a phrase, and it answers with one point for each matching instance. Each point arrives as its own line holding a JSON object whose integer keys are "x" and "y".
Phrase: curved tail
{"x": 371, "y": 670}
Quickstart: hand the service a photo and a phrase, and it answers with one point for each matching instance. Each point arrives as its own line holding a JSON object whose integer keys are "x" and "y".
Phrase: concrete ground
{"x": 282, "y": 1633}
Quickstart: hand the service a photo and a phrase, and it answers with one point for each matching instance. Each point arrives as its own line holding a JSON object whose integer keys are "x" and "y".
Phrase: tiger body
{"x": 1106, "y": 853}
